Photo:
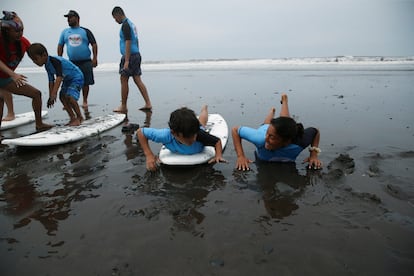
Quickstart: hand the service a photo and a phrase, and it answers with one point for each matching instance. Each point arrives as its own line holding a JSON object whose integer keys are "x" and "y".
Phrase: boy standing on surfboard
{"x": 185, "y": 135}
{"x": 67, "y": 74}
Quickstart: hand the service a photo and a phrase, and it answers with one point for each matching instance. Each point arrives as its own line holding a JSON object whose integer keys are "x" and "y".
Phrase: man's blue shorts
{"x": 87, "y": 69}
{"x": 134, "y": 68}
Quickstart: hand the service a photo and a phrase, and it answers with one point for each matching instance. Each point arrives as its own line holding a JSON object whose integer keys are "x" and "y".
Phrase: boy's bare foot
{"x": 74, "y": 122}
{"x": 121, "y": 110}
{"x": 8, "y": 117}
{"x": 283, "y": 99}
{"x": 43, "y": 127}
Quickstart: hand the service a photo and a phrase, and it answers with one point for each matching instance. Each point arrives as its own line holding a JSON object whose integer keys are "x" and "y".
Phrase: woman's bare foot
{"x": 270, "y": 115}
{"x": 9, "y": 117}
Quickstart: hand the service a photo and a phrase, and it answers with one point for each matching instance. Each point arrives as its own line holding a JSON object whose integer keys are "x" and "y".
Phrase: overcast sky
{"x": 194, "y": 29}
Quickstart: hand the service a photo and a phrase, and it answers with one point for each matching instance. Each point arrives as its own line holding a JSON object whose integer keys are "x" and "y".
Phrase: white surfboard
{"x": 217, "y": 126}
{"x": 21, "y": 119}
{"x": 66, "y": 134}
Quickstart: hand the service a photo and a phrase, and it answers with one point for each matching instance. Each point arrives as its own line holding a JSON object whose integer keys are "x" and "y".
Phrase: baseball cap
{"x": 72, "y": 13}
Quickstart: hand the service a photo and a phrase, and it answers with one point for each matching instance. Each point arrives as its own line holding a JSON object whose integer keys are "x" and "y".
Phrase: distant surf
{"x": 307, "y": 63}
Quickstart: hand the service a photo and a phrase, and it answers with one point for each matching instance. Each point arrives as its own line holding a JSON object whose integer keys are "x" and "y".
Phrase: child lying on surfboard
{"x": 67, "y": 74}
{"x": 185, "y": 135}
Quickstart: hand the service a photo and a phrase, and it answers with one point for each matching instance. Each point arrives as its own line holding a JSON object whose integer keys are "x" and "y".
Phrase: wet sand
{"x": 91, "y": 208}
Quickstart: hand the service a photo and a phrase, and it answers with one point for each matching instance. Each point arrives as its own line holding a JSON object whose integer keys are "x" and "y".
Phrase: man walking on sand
{"x": 130, "y": 65}
{"x": 77, "y": 40}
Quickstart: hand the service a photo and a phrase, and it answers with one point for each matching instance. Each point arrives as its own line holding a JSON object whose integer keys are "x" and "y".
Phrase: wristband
{"x": 318, "y": 150}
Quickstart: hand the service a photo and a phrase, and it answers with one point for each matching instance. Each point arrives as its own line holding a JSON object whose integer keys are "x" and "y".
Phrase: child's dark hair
{"x": 184, "y": 121}
{"x": 287, "y": 128}
{"x": 36, "y": 49}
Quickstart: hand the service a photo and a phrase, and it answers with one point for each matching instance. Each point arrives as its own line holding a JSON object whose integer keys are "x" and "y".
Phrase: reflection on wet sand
{"x": 180, "y": 192}
{"x": 131, "y": 151}
{"x": 281, "y": 186}
{"x": 68, "y": 178}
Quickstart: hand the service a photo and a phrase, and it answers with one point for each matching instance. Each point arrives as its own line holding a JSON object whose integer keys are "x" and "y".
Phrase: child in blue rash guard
{"x": 185, "y": 135}
{"x": 67, "y": 74}
{"x": 278, "y": 140}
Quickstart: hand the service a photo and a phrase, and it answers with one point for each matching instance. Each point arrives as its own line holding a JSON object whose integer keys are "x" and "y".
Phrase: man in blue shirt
{"x": 130, "y": 65}
{"x": 77, "y": 39}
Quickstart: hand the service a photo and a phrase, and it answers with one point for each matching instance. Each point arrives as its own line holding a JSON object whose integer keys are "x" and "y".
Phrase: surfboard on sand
{"x": 21, "y": 119}
{"x": 66, "y": 134}
{"x": 217, "y": 126}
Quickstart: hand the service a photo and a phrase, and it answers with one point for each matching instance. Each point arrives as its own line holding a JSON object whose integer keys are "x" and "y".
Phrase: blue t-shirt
{"x": 77, "y": 41}
{"x": 61, "y": 67}
{"x": 128, "y": 32}
{"x": 165, "y": 137}
{"x": 285, "y": 154}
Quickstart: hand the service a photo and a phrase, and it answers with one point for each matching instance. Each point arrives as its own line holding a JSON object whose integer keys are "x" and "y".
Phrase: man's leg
{"x": 144, "y": 92}
{"x": 124, "y": 95}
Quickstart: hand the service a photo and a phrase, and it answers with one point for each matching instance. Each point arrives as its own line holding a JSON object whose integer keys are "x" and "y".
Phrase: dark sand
{"x": 90, "y": 208}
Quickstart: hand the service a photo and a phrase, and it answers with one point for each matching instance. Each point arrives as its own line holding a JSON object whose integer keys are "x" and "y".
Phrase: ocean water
{"x": 315, "y": 63}
{"x": 91, "y": 208}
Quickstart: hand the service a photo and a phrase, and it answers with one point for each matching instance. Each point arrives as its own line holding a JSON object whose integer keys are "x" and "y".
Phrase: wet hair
{"x": 184, "y": 121}
{"x": 11, "y": 20}
{"x": 287, "y": 128}
{"x": 118, "y": 11}
{"x": 36, "y": 49}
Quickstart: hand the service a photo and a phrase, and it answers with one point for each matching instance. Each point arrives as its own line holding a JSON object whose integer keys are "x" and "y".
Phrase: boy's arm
{"x": 151, "y": 158}
{"x": 242, "y": 162}
{"x": 219, "y": 153}
{"x": 53, "y": 89}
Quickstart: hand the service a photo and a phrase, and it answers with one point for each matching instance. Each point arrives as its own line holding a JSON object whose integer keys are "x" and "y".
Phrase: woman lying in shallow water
{"x": 279, "y": 139}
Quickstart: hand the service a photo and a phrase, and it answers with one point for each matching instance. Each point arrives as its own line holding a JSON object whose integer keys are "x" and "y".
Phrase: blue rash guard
{"x": 128, "y": 32}
{"x": 285, "y": 154}
{"x": 77, "y": 40}
{"x": 71, "y": 74}
{"x": 165, "y": 137}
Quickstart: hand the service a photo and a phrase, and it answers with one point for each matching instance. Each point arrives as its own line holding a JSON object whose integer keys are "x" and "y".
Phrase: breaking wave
{"x": 309, "y": 63}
